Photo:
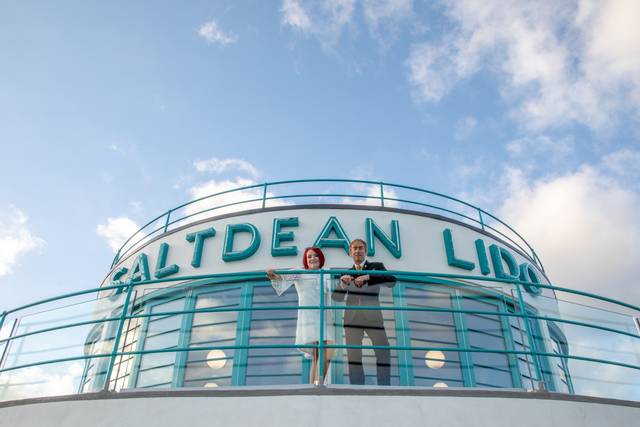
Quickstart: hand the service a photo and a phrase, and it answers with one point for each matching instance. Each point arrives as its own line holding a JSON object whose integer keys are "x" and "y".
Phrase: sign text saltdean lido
{"x": 494, "y": 258}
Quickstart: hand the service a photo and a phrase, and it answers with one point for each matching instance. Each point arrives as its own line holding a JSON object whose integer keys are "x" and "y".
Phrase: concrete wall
{"x": 322, "y": 407}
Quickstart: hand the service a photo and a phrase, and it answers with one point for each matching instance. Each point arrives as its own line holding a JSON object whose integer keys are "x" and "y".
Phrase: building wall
{"x": 330, "y": 408}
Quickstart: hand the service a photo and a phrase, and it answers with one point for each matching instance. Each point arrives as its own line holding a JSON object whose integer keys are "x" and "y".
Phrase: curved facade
{"x": 187, "y": 305}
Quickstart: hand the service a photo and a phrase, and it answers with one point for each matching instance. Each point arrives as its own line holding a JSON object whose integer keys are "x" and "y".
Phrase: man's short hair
{"x": 357, "y": 241}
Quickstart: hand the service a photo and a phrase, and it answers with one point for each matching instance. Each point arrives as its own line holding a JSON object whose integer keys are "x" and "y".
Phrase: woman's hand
{"x": 271, "y": 274}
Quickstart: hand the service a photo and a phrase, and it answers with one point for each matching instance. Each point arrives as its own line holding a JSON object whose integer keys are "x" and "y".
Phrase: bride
{"x": 308, "y": 325}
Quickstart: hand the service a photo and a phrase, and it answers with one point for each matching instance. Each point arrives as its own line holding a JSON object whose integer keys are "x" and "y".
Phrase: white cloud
{"x": 559, "y": 62}
{"x": 584, "y": 226}
{"x": 372, "y": 191}
{"x": 625, "y": 163}
{"x": 383, "y": 17}
{"x": 15, "y": 239}
{"x": 431, "y": 71}
{"x": 294, "y": 15}
{"x": 555, "y": 149}
{"x": 325, "y": 19}
{"x": 465, "y": 171}
{"x": 55, "y": 380}
{"x": 116, "y": 231}
{"x": 213, "y": 34}
{"x": 217, "y": 165}
{"x": 219, "y": 203}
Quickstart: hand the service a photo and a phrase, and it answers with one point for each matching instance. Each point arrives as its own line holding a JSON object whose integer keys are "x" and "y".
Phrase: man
{"x": 363, "y": 290}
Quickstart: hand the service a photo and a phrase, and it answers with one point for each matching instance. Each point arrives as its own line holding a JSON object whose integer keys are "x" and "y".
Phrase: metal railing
{"x": 376, "y": 193}
{"x": 31, "y": 347}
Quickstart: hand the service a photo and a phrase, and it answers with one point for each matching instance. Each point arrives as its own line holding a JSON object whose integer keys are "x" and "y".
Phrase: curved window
{"x": 229, "y": 334}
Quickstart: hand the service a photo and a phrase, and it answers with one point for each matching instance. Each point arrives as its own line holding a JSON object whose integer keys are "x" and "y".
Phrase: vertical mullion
{"x": 338, "y": 315}
{"x": 505, "y": 321}
{"x": 181, "y": 357}
{"x": 142, "y": 336}
{"x": 240, "y": 356}
{"x": 116, "y": 341}
{"x": 530, "y": 335}
{"x": 6, "y": 343}
{"x": 466, "y": 361}
{"x": 403, "y": 338}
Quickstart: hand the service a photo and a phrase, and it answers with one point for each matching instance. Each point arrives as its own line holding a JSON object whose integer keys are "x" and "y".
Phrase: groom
{"x": 363, "y": 290}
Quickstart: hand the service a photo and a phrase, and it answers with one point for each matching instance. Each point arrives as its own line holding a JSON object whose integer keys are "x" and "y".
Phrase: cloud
{"x": 213, "y": 34}
{"x": 216, "y": 165}
{"x": 465, "y": 171}
{"x": 384, "y": 17}
{"x": 559, "y": 63}
{"x": 294, "y": 15}
{"x": 116, "y": 231}
{"x": 55, "y": 380}
{"x": 584, "y": 226}
{"x": 373, "y": 193}
{"x": 541, "y": 153}
{"x": 16, "y": 239}
{"x": 326, "y": 19}
{"x": 555, "y": 149}
{"x": 241, "y": 199}
{"x": 624, "y": 163}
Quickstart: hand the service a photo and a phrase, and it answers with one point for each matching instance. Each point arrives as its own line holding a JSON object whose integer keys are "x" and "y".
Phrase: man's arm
{"x": 377, "y": 279}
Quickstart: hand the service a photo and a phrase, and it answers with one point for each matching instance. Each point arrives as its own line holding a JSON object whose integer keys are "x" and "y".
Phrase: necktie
{"x": 358, "y": 267}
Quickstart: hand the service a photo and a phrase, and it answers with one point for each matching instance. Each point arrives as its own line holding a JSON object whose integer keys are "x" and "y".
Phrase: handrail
{"x": 260, "y": 274}
{"x": 521, "y": 309}
{"x": 127, "y": 246}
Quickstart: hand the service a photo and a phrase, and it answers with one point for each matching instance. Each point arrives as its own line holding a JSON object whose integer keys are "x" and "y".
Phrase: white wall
{"x": 422, "y": 243}
{"x": 321, "y": 410}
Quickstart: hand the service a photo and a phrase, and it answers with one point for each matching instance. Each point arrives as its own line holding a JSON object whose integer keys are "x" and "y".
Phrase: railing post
{"x": 123, "y": 316}
{"x": 321, "y": 349}
{"x": 264, "y": 195}
{"x": 532, "y": 341}
{"x": 382, "y": 194}
{"x": 166, "y": 223}
{"x": 2, "y": 317}
{"x": 116, "y": 258}
{"x": 481, "y": 220}
{"x": 536, "y": 259}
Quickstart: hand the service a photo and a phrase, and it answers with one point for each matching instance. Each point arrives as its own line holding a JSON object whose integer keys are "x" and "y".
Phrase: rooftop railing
{"x": 326, "y": 191}
{"x": 234, "y": 330}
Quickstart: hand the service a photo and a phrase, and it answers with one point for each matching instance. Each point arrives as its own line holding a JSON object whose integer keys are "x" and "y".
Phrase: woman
{"x": 308, "y": 325}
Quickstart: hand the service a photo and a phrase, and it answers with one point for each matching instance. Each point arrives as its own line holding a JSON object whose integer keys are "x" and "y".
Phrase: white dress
{"x": 308, "y": 324}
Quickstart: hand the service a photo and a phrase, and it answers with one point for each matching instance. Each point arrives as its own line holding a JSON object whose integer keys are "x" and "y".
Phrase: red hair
{"x": 318, "y": 252}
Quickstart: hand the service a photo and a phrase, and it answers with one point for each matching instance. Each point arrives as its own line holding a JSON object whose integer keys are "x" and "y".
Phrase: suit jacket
{"x": 364, "y": 296}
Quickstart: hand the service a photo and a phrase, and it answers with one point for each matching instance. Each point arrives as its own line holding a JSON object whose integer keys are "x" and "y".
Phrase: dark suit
{"x": 357, "y": 322}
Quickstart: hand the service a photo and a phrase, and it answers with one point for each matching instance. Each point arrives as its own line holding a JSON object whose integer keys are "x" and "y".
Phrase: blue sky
{"x": 113, "y": 112}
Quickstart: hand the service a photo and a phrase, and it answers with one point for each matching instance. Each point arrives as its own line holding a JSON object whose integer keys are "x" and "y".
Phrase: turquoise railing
{"x": 258, "y": 196}
{"x": 120, "y": 300}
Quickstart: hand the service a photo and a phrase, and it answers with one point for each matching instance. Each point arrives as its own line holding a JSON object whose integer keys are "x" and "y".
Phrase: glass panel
{"x": 213, "y": 367}
{"x": 157, "y": 369}
{"x": 485, "y": 332}
{"x": 274, "y": 327}
{"x": 123, "y": 365}
{"x": 433, "y": 367}
{"x": 155, "y": 377}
